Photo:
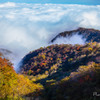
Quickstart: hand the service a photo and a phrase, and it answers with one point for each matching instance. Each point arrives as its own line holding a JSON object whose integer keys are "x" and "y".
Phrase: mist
{"x": 74, "y": 39}
{"x": 26, "y": 27}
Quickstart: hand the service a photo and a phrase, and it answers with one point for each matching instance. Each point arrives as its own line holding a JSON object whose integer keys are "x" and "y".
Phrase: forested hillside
{"x": 67, "y": 72}
{"x": 60, "y": 58}
{"x": 14, "y": 86}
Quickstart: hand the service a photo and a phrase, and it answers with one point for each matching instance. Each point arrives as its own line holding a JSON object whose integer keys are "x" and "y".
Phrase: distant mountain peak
{"x": 89, "y": 34}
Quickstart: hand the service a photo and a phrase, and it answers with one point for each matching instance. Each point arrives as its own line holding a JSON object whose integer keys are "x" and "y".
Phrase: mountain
{"x": 4, "y": 53}
{"x": 13, "y": 85}
{"x": 56, "y": 60}
{"x": 87, "y": 34}
{"x": 55, "y": 72}
{"x": 67, "y": 72}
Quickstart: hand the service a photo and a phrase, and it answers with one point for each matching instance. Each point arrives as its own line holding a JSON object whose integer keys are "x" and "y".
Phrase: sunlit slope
{"x": 12, "y": 85}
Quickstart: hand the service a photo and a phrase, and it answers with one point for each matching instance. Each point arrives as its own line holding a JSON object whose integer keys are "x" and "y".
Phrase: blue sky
{"x": 85, "y": 2}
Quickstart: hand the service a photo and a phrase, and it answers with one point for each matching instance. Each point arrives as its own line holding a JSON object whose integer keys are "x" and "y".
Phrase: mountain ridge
{"x": 89, "y": 34}
{"x": 43, "y": 59}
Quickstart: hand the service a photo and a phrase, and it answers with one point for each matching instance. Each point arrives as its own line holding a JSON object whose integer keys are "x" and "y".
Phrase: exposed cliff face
{"x": 87, "y": 34}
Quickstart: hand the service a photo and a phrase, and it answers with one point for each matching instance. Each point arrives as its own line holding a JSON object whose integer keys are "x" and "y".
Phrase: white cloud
{"x": 25, "y": 27}
{"x": 90, "y": 18}
{"x": 8, "y": 4}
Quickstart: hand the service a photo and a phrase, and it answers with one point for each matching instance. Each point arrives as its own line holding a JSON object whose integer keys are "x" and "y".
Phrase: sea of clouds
{"x": 25, "y": 27}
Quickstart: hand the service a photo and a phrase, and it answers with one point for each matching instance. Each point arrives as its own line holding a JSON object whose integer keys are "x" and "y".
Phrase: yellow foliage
{"x": 65, "y": 79}
{"x": 54, "y": 67}
{"x": 13, "y": 85}
{"x": 90, "y": 49}
{"x": 70, "y": 59}
{"x": 39, "y": 77}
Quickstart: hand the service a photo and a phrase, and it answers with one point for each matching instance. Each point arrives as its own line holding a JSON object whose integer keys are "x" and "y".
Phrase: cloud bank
{"x": 74, "y": 39}
{"x": 25, "y": 27}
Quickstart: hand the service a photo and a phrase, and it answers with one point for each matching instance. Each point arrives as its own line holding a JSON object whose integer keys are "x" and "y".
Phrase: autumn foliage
{"x": 65, "y": 57}
{"x": 66, "y": 72}
{"x": 79, "y": 85}
{"x": 13, "y": 85}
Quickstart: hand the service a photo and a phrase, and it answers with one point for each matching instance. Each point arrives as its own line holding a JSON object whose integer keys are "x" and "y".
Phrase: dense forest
{"x": 14, "y": 86}
{"x": 66, "y": 72}
{"x": 49, "y": 49}
{"x": 56, "y": 72}
{"x": 60, "y": 58}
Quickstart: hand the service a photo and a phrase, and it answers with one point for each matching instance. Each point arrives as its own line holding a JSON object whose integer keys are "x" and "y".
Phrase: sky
{"x": 83, "y": 2}
{"x": 26, "y": 27}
